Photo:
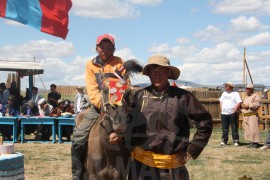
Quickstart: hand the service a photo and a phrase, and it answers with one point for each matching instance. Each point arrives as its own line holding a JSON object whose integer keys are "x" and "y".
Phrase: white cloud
{"x": 105, "y": 9}
{"x": 262, "y": 39}
{"x": 210, "y": 32}
{"x": 224, "y": 52}
{"x": 172, "y": 51}
{"x": 244, "y": 24}
{"x": 14, "y": 23}
{"x": 146, "y": 2}
{"x": 182, "y": 40}
{"x": 241, "y": 6}
{"x": 39, "y": 49}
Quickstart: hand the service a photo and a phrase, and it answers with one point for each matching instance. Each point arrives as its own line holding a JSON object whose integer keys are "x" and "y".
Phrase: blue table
{"x": 66, "y": 121}
{"x": 36, "y": 120}
{"x": 8, "y": 120}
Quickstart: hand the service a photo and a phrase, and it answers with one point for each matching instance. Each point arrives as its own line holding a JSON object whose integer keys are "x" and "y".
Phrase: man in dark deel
{"x": 53, "y": 96}
{"x": 159, "y": 129}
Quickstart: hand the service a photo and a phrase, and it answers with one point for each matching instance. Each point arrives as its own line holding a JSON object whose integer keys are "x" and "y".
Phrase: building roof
{"x": 23, "y": 67}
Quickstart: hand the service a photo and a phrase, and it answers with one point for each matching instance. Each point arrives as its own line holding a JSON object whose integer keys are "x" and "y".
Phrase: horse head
{"x": 117, "y": 95}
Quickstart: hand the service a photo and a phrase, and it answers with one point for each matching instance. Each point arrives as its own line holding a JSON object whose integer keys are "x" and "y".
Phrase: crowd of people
{"x": 13, "y": 104}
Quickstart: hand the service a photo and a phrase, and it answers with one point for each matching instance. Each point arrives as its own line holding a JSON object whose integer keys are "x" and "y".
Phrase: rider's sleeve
{"x": 92, "y": 86}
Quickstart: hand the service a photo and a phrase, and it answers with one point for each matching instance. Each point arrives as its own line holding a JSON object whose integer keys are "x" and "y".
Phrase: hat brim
{"x": 175, "y": 72}
{"x": 226, "y": 84}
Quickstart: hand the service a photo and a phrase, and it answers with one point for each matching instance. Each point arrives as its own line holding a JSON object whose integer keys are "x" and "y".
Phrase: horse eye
{"x": 129, "y": 118}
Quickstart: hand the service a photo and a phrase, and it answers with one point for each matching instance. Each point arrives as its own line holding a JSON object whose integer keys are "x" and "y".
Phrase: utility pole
{"x": 245, "y": 62}
{"x": 244, "y": 67}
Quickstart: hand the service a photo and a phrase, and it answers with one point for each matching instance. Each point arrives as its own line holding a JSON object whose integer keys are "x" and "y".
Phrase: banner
{"x": 49, "y": 16}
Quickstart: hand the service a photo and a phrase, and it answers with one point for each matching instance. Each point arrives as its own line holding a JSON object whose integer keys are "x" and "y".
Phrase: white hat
{"x": 80, "y": 87}
{"x": 228, "y": 84}
{"x": 249, "y": 86}
{"x": 42, "y": 101}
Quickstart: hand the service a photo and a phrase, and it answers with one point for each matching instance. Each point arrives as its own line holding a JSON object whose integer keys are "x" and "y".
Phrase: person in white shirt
{"x": 81, "y": 100}
{"x": 35, "y": 95}
{"x": 230, "y": 102}
{"x": 43, "y": 131}
{"x": 44, "y": 108}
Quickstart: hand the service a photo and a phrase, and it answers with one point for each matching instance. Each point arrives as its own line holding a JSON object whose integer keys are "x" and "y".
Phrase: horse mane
{"x": 133, "y": 66}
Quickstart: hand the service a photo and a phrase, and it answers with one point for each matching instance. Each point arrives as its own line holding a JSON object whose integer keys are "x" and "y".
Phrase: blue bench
{"x": 64, "y": 121}
{"x": 36, "y": 120}
{"x": 8, "y": 120}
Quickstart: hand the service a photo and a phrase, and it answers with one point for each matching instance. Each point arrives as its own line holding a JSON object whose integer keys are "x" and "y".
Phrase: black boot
{"x": 77, "y": 160}
{"x": 255, "y": 145}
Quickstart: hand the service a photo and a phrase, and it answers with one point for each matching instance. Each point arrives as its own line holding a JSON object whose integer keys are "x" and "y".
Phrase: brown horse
{"x": 105, "y": 161}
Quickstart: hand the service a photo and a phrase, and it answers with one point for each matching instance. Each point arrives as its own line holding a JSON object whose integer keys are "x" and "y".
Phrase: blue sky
{"x": 204, "y": 39}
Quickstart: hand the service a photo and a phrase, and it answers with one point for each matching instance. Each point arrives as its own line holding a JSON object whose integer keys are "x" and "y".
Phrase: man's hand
{"x": 244, "y": 107}
{"x": 114, "y": 138}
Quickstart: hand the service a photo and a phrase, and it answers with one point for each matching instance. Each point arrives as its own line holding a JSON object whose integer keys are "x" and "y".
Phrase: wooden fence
{"x": 210, "y": 100}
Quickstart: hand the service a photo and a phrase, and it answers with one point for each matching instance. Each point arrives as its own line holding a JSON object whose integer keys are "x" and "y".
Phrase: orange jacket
{"x": 93, "y": 82}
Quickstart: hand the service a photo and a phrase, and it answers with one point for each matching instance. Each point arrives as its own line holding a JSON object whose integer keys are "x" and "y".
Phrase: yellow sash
{"x": 250, "y": 113}
{"x": 160, "y": 161}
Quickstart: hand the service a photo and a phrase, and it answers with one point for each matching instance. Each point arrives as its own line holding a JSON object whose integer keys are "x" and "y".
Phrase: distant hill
{"x": 184, "y": 83}
{"x": 258, "y": 87}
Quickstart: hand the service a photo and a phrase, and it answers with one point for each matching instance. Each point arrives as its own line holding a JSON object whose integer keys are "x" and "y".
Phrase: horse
{"x": 104, "y": 160}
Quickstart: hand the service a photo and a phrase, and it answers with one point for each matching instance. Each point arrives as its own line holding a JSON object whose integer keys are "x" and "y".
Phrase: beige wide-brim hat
{"x": 80, "y": 88}
{"x": 228, "y": 84}
{"x": 250, "y": 86}
{"x": 161, "y": 61}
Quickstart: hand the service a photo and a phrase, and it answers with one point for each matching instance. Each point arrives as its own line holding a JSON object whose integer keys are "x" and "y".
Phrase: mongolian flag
{"x": 49, "y": 16}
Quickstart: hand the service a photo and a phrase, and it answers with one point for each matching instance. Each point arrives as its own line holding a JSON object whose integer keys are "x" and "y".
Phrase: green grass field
{"x": 53, "y": 161}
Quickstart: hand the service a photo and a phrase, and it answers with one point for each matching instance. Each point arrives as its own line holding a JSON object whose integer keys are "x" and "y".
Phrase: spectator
{"x": 251, "y": 123}
{"x": 44, "y": 131}
{"x": 44, "y": 108}
{"x": 159, "y": 130}
{"x": 230, "y": 102}
{"x": 29, "y": 109}
{"x": 53, "y": 96}
{"x": 265, "y": 94}
{"x": 64, "y": 107}
{"x": 81, "y": 100}
{"x": 12, "y": 110}
{"x": 4, "y": 98}
{"x": 15, "y": 93}
{"x": 267, "y": 142}
{"x": 35, "y": 95}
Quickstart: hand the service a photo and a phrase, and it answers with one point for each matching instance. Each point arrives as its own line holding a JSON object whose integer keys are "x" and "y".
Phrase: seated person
{"x": 29, "y": 109}
{"x": 44, "y": 108}
{"x": 44, "y": 131}
{"x": 12, "y": 110}
{"x": 62, "y": 107}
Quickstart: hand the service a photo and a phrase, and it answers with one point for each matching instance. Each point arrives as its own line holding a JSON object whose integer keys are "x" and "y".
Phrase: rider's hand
{"x": 114, "y": 138}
